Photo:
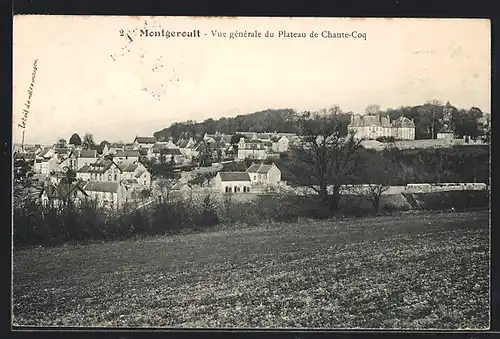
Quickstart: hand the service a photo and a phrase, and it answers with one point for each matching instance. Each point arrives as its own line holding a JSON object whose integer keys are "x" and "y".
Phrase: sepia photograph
{"x": 251, "y": 173}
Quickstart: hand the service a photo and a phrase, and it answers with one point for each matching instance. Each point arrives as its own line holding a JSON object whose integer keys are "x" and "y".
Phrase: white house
{"x": 262, "y": 174}
{"x": 281, "y": 145}
{"x": 144, "y": 142}
{"x": 45, "y": 161}
{"x": 373, "y": 127}
{"x": 253, "y": 150}
{"x": 135, "y": 171}
{"x": 83, "y": 173}
{"x": 102, "y": 170}
{"x": 106, "y": 193}
{"x": 79, "y": 158}
{"x": 233, "y": 182}
{"x": 126, "y": 155}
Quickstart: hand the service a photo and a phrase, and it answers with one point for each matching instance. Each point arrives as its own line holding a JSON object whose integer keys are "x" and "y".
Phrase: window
{"x": 228, "y": 189}
{"x": 246, "y": 189}
{"x": 116, "y": 177}
{"x": 236, "y": 189}
{"x": 109, "y": 176}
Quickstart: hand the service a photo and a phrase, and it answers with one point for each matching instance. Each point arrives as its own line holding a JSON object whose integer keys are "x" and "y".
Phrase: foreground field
{"x": 411, "y": 271}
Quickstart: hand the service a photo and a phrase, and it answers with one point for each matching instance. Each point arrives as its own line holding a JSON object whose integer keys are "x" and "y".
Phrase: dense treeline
{"x": 401, "y": 167}
{"x": 427, "y": 118}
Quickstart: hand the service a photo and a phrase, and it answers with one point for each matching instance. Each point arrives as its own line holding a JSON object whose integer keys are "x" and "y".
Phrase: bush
{"x": 459, "y": 200}
{"x": 207, "y": 216}
{"x": 386, "y": 139}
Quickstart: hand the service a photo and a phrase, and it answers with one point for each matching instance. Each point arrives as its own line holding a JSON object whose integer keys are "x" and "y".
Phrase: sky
{"x": 90, "y": 78}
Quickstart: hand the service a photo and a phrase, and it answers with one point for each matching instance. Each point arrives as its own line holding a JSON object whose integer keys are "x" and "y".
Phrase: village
{"x": 114, "y": 174}
{"x": 118, "y": 174}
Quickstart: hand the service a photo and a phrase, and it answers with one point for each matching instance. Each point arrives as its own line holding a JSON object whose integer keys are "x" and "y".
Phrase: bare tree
{"x": 376, "y": 175}
{"x": 371, "y": 192}
{"x": 372, "y": 109}
{"x": 324, "y": 159}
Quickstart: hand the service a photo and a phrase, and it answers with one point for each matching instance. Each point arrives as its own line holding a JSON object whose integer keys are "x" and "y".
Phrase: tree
{"x": 165, "y": 186}
{"x": 61, "y": 143}
{"x": 372, "y": 109}
{"x": 88, "y": 141}
{"x": 375, "y": 175}
{"x": 75, "y": 140}
{"x": 235, "y": 139}
{"x": 163, "y": 158}
{"x": 68, "y": 179}
{"x": 23, "y": 178}
{"x": 324, "y": 159}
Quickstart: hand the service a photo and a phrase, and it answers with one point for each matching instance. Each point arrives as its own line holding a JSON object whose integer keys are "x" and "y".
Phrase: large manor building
{"x": 373, "y": 127}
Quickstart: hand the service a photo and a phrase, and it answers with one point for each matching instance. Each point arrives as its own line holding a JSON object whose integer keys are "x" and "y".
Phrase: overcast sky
{"x": 91, "y": 79}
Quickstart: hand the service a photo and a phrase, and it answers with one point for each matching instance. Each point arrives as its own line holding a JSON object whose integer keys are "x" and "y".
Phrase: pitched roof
{"x": 234, "y": 176}
{"x": 128, "y": 167}
{"x": 86, "y": 153}
{"x": 259, "y": 168}
{"x": 139, "y": 173}
{"x": 127, "y": 153}
{"x": 62, "y": 150}
{"x": 102, "y": 166}
{"x": 264, "y": 136}
{"x": 170, "y": 151}
{"x": 130, "y": 181}
{"x": 371, "y": 120}
{"x": 183, "y": 143}
{"x": 84, "y": 169}
{"x": 403, "y": 122}
{"x": 145, "y": 140}
{"x": 44, "y": 152}
{"x": 101, "y": 186}
{"x": 62, "y": 190}
{"x": 227, "y": 138}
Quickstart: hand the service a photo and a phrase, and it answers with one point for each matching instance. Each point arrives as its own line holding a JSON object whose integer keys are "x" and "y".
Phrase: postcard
{"x": 251, "y": 173}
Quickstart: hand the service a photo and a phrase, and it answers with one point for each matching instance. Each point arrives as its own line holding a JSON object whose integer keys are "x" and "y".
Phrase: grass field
{"x": 425, "y": 270}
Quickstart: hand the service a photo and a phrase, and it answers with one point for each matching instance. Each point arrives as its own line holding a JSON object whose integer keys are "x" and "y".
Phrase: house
{"x": 154, "y": 151}
{"x": 111, "y": 194}
{"x": 373, "y": 127}
{"x": 48, "y": 165}
{"x": 144, "y": 142}
{"x": 281, "y": 145}
{"x": 262, "y": 174}
{"x": 252, "y": 150}
{"x": 126, "y": 155}
{"x": 83, "y": 173}
{"x": 403, "y": 129}
{"x": 135, "y": 171}
{"x": 102, "y": 170}
{"x": 79, "y": 158}
{"x": 42, "y": 161}
{"x": 233, "y": 182}
{"x": 53, "y": 194}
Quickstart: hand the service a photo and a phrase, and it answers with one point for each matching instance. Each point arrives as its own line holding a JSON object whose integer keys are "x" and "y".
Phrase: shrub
{"x": 207, "y": 214}
{"x": 386, "y": 139}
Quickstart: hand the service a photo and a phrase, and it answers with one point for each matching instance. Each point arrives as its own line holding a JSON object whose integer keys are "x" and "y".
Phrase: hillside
{"x": 427, "y": 118}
